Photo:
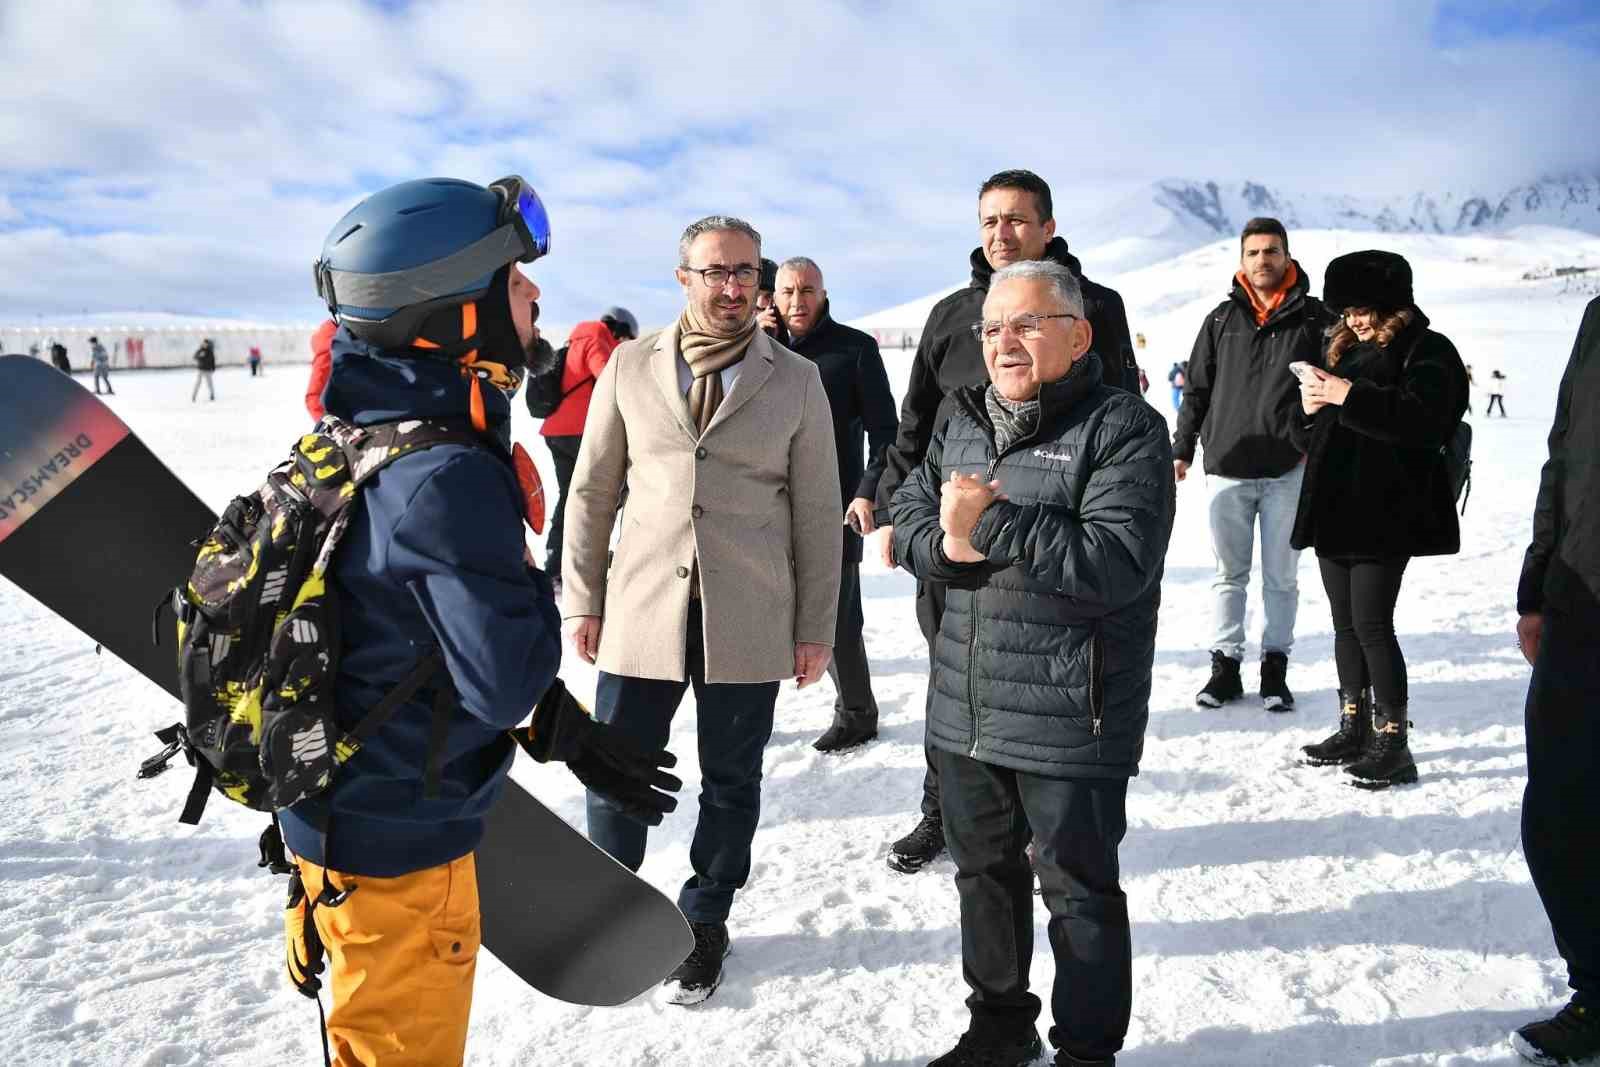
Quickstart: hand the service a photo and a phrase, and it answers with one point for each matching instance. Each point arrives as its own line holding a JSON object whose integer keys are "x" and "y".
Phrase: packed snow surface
{"x": 1279, "y": 915}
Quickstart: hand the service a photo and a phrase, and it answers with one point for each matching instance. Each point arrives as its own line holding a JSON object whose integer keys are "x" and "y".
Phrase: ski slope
{"x": 1280, "y": 916}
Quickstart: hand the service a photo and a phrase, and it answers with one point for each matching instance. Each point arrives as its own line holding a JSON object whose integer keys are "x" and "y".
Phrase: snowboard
{"x": 95, "y": 527}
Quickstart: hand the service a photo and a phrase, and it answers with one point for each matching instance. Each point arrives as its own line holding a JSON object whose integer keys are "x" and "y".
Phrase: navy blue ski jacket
{"x": 433, "y": 559}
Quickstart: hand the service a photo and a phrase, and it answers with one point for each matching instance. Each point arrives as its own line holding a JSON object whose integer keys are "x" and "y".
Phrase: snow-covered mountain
{"x": 1175, "y": 215}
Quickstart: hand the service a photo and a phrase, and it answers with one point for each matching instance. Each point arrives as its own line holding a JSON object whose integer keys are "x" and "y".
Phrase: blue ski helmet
{"x": 420, "y": 246}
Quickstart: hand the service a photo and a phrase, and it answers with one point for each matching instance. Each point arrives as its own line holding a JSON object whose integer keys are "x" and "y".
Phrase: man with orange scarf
{"x": 1239, "y": 402}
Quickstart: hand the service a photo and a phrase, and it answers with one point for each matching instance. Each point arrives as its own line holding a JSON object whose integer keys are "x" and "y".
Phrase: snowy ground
{"x": 1280, "y": 916}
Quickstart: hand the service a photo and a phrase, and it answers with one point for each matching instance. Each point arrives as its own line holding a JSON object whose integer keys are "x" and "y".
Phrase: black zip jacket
{"x": 1561, "y": 570}
{"x": 858, "y": 392}
{"x": 950, "y": 358}
{"x": 1239, "y": 398}
{"x": 1043, "y": 658}
{"x": 1375, "y": 485}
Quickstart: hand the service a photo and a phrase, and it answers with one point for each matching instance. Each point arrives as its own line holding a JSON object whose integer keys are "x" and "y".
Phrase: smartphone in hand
{"x": 1303, "y": 370}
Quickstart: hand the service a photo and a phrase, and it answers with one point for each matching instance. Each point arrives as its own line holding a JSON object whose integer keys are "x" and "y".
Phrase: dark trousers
{"x": 1495, "y": 399}
{"x": 1076, "y": 824}
{"x": 1561, "y": 804}
{"x": 930, "y": 613}
{"x": 564, "y": 450}
{"x": 1366, "y": 651}
{"x": 848, "y": 667}
{"x": 735, "y": 723}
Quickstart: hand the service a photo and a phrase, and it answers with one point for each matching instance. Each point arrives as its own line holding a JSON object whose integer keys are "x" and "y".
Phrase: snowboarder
{"x": 1375, "y": 493}
{"x": 100, "y": 361}
{"x": 205, "y": 362}
{"x": 1558, "y": 601}
{"x": 435, "y": 559}
{"x": 1497, "y": 393}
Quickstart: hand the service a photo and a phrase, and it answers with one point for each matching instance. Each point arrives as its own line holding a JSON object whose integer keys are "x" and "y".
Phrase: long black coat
{"x": 1375, "y": 484}
{"x": 1043, "y": 658}
{"x": 1239, "y": 399}
{"x": 858, "y": 392}
{"x": 1562, "y": 567}
{"x": 950, "y": 358}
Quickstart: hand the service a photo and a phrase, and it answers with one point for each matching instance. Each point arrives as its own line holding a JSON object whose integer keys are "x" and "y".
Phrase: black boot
{"x": 698, "y": 976}
{"x": 1352, "y": 737}
{"x": 972, "y": 1051}
{"x": 1572, "y": 1035}
{"x": 920, "y": 847}
{"x": 1275, "y": 694}
{"x": 1387, "y": 760}
{"x": 1224, "y": 684}
{"x": 848, "y": 731}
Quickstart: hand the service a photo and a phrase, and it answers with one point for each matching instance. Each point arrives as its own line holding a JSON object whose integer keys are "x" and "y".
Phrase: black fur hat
{"x": 1370, "y": 279}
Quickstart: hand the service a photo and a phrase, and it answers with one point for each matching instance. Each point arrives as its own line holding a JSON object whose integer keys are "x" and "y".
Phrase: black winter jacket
{"x": 205, "y": 357}
{"x": 858, "y": 392}
{"x": 1375, "y": 484}
{"x": 1042, "y": 662}
{"x": 1562, "y": 567}
{"x": 1239, "y": 398}
{"x": 950, "y": 358}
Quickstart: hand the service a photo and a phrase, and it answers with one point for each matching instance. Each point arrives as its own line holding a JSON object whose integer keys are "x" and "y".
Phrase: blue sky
{"x": 169, "y": 155}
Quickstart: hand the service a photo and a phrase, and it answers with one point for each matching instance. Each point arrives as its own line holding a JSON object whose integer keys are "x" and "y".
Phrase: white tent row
{"x": 135, "y": 343}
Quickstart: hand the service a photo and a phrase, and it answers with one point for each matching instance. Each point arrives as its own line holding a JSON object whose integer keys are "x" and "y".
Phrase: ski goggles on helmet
{"x": 521, "y": 207}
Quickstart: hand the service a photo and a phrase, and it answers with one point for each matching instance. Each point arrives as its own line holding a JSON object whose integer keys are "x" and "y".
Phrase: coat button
{"x": 683, "y": 572}
{"x": 700, "y": 453}
{"x": 697, "y": 511}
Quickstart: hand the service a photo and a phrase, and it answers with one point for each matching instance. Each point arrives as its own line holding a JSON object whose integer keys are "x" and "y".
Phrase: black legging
{"x": 1362, "y": 594}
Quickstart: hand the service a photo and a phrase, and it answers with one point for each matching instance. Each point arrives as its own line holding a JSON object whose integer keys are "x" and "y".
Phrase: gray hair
{"x": 799, "y": 264}
{"x": 714, "y": 224}
{"x": 1061, "y": 281}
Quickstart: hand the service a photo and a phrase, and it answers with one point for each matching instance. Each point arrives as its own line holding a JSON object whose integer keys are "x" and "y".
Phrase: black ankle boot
{"x": 1351, "y": 739}
{"x": 1387, "y": 760}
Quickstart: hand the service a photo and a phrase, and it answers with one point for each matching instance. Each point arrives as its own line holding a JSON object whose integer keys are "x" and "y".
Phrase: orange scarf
{"x": 1262, "y": 309}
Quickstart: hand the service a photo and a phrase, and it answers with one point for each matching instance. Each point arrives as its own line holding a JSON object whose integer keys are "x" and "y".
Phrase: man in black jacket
{"x": 1016, "y": 224}
{"x": 1558, "y": 600}
{"x": 858, "y": 392}
{"x": 1046, "y": 505}
{"x": 1241, "y": 402}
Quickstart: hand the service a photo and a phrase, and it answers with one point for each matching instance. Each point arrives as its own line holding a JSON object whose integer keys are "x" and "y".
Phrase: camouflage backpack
{"x": 258, "y": 627}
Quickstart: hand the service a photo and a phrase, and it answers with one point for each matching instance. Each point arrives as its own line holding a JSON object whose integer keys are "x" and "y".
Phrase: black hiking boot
{"x": 1572, "y": 1035}
{"x": 918, "y": 848}
{"x": 1352, "y": 737}
{"x": 847, "y": 731}
{"x": 1224, "y": 684}
{"x": 1387, "y": 759}
{"x": 1275, "y": 695}
{"x": 697, "y": 977}
{"x": 970, "y": 1051}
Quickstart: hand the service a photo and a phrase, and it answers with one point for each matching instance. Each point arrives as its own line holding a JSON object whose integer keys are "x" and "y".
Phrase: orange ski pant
{"x": 402, "y": 953}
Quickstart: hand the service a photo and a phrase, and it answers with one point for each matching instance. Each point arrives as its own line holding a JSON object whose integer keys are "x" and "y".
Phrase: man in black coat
{"x": 1241, "y": 403}
{"x": 1558, "y": 600}
{"x": 858, "y": 392}
{"x": 1016, "y": 224}
{"x": 1046, "y": 505}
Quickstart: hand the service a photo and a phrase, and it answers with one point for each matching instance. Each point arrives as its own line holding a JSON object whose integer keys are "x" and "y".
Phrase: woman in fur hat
{"x": 1376, "y": 493}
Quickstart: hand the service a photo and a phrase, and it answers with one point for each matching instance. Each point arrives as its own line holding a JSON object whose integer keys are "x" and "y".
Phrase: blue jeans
{"x": 1235, "y": 506}
{"x": 735, "y": 724}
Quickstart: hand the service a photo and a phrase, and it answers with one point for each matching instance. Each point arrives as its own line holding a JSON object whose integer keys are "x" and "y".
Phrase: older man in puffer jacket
{"x": 1046, "y": 504}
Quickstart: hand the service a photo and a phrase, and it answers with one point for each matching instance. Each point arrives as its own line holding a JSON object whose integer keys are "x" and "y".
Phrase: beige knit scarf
{"x": 708, "y": 354}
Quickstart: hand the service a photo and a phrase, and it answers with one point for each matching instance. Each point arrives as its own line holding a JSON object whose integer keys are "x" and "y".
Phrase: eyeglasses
{"x": 1025, "y": 326}
{"x": 520, "y": 206}
{"x": 717, "y": 277}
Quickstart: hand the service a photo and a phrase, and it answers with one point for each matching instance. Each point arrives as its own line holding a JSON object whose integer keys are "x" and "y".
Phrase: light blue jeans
{"x": 1235, "y": 506}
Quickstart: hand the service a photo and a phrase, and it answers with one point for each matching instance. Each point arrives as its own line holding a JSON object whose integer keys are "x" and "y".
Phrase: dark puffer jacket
{"x": 1043, "y": 658}
{"x": 950, "y": 358}
{"x": 1239, "y": 398}
{"x": 1562, "y": 567}
{"x": 1375, "y": 484}
{"x": 433, "y": 559}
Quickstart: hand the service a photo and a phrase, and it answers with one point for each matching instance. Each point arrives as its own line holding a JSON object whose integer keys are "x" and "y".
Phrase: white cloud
{"x": 170, "y": 154}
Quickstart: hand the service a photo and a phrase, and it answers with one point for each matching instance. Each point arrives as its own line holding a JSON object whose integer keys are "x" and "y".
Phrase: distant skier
{"x": 205, "y": 361}
{"x": 100, "y": 361}
{"x": 1472, "y": 383}
{"x": 1175, "y": 378}
{"x": 1497, "y": 394}
{"x": 58, "y": 357}
{"x": 435, "y": 559}
{"x": 254, "y": 360}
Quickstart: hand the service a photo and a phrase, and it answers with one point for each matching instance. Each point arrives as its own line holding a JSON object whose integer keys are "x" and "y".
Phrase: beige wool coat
{"x": 755, "y": 500}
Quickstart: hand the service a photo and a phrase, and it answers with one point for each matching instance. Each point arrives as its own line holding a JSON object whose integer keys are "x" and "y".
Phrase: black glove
{"x": 610, "y": 763}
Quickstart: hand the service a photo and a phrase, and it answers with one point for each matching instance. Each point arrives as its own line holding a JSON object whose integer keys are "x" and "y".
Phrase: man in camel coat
{"x": 726, "y": 573}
